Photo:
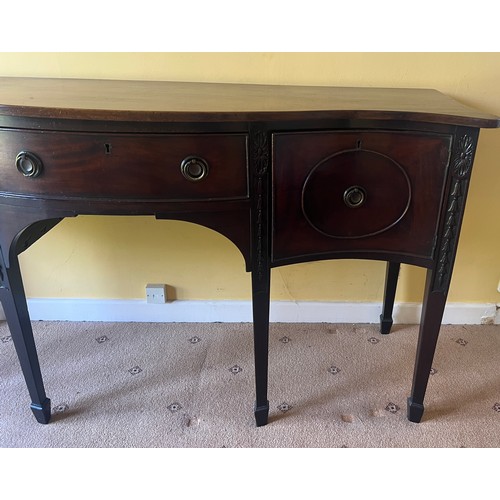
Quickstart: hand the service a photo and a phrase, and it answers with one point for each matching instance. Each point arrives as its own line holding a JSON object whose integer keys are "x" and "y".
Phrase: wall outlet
{"x": 156, "y": 293}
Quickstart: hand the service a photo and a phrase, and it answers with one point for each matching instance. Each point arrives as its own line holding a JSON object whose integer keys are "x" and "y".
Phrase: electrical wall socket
{"x": 156, "y": 293}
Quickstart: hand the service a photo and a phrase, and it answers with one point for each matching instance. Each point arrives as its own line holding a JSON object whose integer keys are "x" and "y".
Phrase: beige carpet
{"x": 192, "y": 386}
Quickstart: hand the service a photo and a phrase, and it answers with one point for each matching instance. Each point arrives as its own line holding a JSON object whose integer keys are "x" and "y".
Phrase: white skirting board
{"x": 194, "y": 311}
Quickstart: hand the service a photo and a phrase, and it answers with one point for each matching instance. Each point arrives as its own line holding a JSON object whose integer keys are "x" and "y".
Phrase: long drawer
{"x": 123, "y": 166}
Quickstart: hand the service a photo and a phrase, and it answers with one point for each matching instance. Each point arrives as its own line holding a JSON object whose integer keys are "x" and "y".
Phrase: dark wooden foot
{"x": 391, "y": 281}
{"x": 261, "y": 414}
{"x": 385, "y": 324}
{"x": 414, "y": 411}
{"x": 42, "y": 412}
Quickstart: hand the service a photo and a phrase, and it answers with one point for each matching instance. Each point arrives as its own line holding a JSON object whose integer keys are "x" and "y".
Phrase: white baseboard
{"x": 194, "y": 311}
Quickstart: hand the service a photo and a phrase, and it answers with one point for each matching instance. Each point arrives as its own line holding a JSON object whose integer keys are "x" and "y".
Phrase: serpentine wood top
{"x": 156, "y": 101}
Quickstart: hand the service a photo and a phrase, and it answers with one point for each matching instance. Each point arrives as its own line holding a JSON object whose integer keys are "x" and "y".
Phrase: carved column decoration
{"x": 260, "y": 158}
{"x": 461, "y": 164}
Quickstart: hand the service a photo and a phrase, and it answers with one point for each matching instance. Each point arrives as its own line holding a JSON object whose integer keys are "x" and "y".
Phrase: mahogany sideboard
{"x": 288, "y": 173}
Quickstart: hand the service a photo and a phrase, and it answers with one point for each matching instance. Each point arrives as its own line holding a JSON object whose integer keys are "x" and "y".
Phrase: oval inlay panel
{"x": 336, "y": 181}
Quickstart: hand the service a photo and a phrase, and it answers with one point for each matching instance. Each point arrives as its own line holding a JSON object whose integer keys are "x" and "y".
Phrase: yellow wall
{"x": 104, "y": 257}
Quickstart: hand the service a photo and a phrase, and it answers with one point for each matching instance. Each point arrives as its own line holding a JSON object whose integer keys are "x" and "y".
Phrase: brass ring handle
{"x": 29, "y": 164}
{"x": 354, "y": 196}
{"x": 194, "y": 168}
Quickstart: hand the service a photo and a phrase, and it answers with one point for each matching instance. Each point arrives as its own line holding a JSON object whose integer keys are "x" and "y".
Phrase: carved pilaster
{"x": 461, "y": 166}
{"x": 259, "y": 148}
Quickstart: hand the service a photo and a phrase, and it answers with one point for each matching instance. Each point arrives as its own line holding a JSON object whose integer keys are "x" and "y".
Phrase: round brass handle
{"x": 194, "y": 168}
{"x": 354, "y": 196}
{"x": 29, "y": 164}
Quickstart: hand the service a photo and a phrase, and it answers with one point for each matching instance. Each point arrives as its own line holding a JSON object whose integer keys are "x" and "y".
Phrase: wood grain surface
{"x": 181, "y": 101}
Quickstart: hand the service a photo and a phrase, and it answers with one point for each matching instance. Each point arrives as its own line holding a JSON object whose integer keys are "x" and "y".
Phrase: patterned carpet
{"x": 151, "y": 385}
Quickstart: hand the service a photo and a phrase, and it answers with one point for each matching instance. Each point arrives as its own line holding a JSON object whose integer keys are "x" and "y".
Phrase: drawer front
{"x": 357, "y": 191}
{"x": 124, "y": 166}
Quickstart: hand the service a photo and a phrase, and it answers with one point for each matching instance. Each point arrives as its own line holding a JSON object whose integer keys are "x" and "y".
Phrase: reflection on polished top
{"x": 186, "y": 101}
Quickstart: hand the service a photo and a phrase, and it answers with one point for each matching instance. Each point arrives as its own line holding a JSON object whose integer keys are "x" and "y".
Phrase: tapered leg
{"x": 432, "y": 314}
{"x": 260, "y": 300}
{"x": 16, "y": 312}
{"x": 391, "y": 281}
{"x": 259, "y": 159}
